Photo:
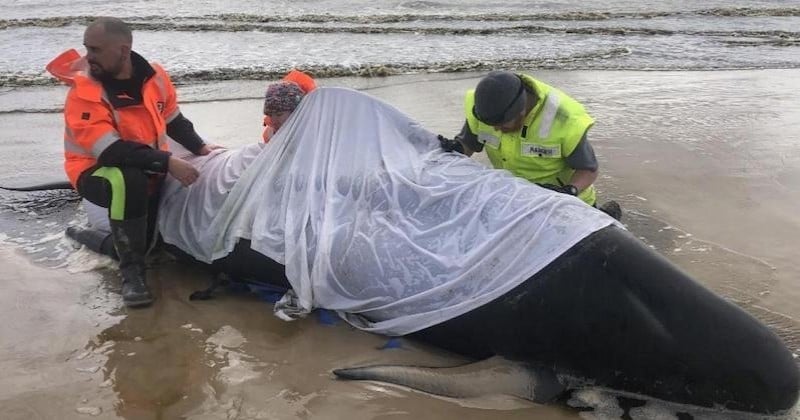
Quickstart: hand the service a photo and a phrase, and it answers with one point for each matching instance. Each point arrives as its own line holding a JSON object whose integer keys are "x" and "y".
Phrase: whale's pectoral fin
{"x": 492, "y": 376}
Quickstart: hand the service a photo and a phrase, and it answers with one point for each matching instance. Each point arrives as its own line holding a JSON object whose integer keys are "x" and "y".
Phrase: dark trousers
{"x": 128, "y": 193}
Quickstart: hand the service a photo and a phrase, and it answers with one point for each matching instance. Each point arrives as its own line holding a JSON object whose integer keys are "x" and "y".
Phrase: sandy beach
{"x": 705, "y": 165}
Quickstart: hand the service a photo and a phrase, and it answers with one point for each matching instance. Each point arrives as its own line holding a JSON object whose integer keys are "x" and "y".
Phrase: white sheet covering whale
{"x": 370, "y": 217}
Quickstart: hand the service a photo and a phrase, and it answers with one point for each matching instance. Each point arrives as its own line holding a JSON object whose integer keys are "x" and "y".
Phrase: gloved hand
{"x": 568, "y": 189}
{"x": 449, "y": 145}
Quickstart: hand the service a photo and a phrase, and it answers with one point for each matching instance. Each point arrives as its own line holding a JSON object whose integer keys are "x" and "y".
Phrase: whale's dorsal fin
{"x": 492, "y": 376}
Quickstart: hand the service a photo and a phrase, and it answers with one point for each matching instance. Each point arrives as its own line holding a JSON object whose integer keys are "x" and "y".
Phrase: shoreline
{"x": 48, "y": 99}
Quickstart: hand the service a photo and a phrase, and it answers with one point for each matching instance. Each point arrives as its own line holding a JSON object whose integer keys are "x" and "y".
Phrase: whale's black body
{"x": 616, "y": 313}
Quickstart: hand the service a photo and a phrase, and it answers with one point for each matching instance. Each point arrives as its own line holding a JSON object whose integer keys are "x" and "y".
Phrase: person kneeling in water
{"x": 280, "y": 101}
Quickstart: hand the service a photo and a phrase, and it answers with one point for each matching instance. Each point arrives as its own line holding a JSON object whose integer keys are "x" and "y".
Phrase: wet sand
{"x": 51, "y": 365}
{"x": 705, "y": 176}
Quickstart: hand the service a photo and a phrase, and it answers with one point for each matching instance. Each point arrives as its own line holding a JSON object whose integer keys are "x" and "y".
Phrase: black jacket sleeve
{"x": 181, "y": 130}
{"x": 469, "y": 139}
{"x": 137, "y": 155}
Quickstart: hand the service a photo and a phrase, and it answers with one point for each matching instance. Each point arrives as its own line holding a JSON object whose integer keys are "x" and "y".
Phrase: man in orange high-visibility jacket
{"x": 276, "y": 92}
{"x": 119, "y": 113}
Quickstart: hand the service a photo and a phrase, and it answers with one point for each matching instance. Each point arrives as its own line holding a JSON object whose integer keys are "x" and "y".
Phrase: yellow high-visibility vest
{"x": 538, "y": 151}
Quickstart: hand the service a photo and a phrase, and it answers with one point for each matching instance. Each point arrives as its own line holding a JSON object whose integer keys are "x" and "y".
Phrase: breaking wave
{"x": 239, "y": 20}
{"x": 339, "y": 70}
{"x": 240, "y": 26}
{"x": 713, "y": 37}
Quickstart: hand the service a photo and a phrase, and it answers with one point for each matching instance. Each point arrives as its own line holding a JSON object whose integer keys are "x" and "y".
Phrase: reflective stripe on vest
{"x": 103, "y": 142}
{"x": 71, "y": 147}
{"x": 548, "y": 114}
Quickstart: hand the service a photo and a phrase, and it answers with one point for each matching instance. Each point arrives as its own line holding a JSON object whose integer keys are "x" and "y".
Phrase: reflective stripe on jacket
{"x": 92, "y": 123}
{"x": 538, "y": 151}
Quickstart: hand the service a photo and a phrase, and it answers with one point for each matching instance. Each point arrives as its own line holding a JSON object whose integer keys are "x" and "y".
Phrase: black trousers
{"x": 122, "y": 190}
{"x": 127, "y": 192}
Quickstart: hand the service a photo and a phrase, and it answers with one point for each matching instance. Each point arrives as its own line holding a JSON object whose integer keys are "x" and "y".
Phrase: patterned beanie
{"x": 282, "y": 97}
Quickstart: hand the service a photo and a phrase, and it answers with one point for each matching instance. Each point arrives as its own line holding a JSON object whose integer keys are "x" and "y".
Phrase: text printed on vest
{"x": 531, "y": 149}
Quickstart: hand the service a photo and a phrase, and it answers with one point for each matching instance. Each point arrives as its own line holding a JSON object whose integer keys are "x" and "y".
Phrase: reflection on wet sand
{"x": 231, "y": 358}
{"x": 49, "y": 371}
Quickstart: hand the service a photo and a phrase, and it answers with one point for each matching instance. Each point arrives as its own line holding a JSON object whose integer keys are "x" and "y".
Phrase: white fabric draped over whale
{"x": 371, "y": 218}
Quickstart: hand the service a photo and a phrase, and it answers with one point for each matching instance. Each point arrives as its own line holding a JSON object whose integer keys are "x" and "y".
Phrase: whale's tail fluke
{"x": 492, "y": 376}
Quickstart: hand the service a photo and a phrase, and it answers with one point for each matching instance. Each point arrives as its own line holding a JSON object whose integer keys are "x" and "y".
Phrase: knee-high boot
{"x": 130, "y": 239}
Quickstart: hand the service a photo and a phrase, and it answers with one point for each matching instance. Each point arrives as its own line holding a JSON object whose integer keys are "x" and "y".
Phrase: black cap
{"x": 499, "y": 98}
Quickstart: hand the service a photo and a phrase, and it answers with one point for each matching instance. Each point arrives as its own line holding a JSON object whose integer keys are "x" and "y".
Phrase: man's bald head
{"x": 108, "y": 44}
{"x": 114, "y": 28}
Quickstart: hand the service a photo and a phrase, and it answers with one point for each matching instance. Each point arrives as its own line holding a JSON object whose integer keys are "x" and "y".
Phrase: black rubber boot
{"x": 130, "y": 239}
{"x": 612, "y": 209}
{"x": 96, "y": 240}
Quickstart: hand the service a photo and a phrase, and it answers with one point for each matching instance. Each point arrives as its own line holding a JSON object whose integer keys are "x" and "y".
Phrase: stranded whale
{"x": 353, "y": 207}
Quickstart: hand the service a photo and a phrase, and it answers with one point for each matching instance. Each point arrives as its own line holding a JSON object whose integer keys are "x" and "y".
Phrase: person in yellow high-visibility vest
{"x": 533, "y": 130}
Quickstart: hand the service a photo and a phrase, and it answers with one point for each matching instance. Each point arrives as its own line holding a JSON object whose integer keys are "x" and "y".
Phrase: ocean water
{"x": 695, "y": 101}
{"x": 223, "y": 40}
{"x": 251, "y": 40}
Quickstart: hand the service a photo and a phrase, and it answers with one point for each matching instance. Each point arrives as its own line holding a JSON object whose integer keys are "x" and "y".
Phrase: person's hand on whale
{"x": 208, "y": 148}
{"x": 182, "y": 170}
{"x": 450, "y": 145}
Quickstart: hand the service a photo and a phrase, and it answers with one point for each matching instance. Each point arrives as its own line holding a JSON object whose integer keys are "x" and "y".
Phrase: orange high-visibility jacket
{"x": 92, "y": 123}
{"x": 306, "y": 83}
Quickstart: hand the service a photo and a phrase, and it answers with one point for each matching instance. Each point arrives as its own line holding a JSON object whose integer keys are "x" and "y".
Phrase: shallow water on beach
{"x": 704, "y": 177}
{"x": 704, "y": 162}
